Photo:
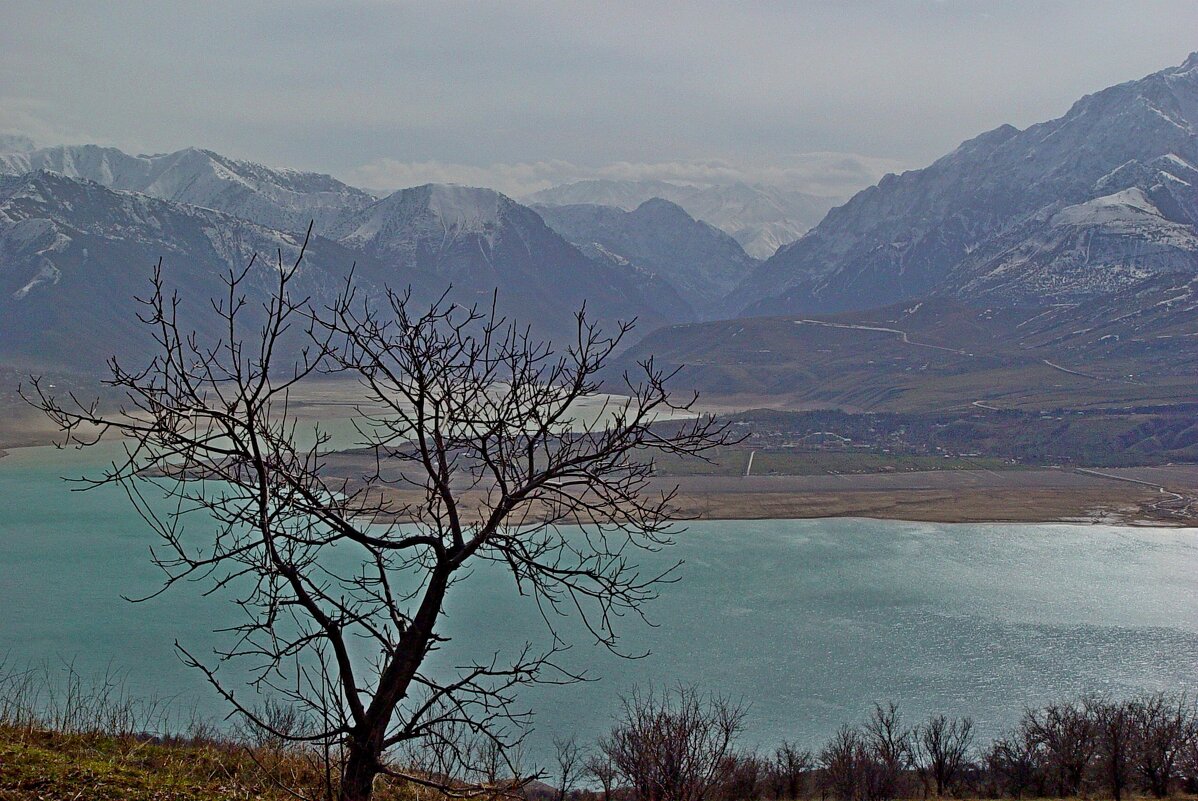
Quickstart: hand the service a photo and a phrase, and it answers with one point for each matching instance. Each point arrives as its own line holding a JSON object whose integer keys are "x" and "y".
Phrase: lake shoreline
{"x": 933, "y": 507}
{"x": 1076, "y": 500}
{"x": 1126, "y": 496}
{"x": 1115, "y": 496}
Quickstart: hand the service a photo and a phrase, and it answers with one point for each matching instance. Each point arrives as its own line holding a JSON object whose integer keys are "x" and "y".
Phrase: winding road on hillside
{"x": 902, "y": 335}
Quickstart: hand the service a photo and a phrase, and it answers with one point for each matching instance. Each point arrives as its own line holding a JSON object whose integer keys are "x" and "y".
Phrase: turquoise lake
{"x": 808, "y": 621}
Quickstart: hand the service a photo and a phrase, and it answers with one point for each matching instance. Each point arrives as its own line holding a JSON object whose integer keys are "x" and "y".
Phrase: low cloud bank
{"x": 825, "y": 173}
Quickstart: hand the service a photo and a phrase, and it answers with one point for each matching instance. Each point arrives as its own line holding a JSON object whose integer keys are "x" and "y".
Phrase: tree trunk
{"x": 357, "y": 777}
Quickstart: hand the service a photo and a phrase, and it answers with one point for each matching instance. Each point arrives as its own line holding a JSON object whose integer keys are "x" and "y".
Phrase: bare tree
{"x": 941, "y": 750}
{"x": 789, "y": 770}
{"x": 1015, "y": 766}
{"x": 840, "y": 764}
{"x": 674, "y": 745}
{"x": 476, "y": 456}
{"x": 1066, "y": 735}
{"x": 599, "y": 766}
{"x": 567, "y": 756}
{"x": 1117, "y": 744}
{"x": 889, "y": 749}
{"x": 1165, "y": 725}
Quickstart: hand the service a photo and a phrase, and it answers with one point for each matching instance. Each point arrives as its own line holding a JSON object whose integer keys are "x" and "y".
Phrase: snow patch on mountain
{"x": 1128, "y": 208}
{"x": 464, "y": 209}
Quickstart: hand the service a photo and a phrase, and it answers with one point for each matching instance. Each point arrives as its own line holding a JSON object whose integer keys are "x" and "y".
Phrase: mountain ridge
{"x": 760, "y": 218}
{"x": 903, "y": 237}
{"x": 280, "y": 198}
{"x": 703, "y": 262}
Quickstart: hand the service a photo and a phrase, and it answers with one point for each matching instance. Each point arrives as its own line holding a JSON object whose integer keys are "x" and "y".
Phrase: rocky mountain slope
{"x": 761, "y": 218}
{"x": 75, "y": 254}
{"x": 702, "y": 262}
{"x": 1072, "y": 208}
{"x": 1129, "y": 349}
{"x": 478, "y": 239}
{"x": 277, "y": 198}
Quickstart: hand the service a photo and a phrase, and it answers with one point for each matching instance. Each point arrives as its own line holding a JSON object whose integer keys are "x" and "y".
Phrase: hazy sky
{"x": 517, "y": 94}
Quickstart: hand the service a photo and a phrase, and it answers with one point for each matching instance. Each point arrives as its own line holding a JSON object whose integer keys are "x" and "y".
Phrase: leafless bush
{"x": 1165, "y": 726}
{"x": 1014, "y": 766}
{"x": 840, "y": 763}
{"x": 674, "y": 745}
{"x": 1118, "y": 742}
{"x": 940, "y": 748}
{"x": 747, "y": 777}
{"x": 789, "y": 770}
{"x": 1065, "y": 735}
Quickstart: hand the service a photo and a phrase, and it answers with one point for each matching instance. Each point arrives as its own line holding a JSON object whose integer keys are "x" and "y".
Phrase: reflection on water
{"x": 810, "y": 621}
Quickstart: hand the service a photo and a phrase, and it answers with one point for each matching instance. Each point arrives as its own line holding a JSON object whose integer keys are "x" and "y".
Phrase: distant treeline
{"x": 1093, "y": 747}
{"x": 1097, "y": 438}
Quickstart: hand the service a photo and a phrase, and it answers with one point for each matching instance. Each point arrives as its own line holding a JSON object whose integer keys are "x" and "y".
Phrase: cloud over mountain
{"x": 825, "y": 173}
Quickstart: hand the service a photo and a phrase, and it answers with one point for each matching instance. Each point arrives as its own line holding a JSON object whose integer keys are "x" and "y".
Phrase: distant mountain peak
{"x": 278, "y": 198}
{"x": 759, "y": 217}
{"x": 658, "y": 236}
{"x": 661, "y": 206}
{"x": 1063, "y": 210}
{"x": 1187, "y": 66}
{"x": 467, "y": 208}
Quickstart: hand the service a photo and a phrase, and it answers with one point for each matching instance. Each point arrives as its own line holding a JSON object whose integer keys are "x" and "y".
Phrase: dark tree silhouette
{"x": 600, "y": 767}
{"x": 1116, "y": 727}
{"x": 568, "y": 759}
{"x": 476, "y": 455}
{"x": 941, "y": 750}
{"x": 674, "y": 745}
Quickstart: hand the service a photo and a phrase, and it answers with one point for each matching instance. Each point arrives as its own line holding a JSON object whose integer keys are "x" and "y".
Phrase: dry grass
{"x": 37, "y": 764}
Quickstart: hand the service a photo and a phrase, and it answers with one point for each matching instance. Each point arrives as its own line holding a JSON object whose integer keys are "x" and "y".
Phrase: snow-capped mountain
{"x": 75, "y": 254}
{"x": 700, "y": 260}
{"x": 277, "y": 198}
{"x": 761, "y": 218}
{"x": 1082, "y": 205}
{"x": 479, "y": 239}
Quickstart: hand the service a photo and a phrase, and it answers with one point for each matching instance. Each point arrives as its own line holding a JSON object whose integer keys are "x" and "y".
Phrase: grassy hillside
{"x": 37, "y": 765}
{"x": 934, "y": 356}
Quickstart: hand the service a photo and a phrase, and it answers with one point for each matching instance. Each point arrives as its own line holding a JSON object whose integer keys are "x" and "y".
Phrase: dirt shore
{"x": 1030, "y": 496}
{"x": 935, "y": 506}
{"x": 1160, "y": 496}
{"x": 1153, "y": 495}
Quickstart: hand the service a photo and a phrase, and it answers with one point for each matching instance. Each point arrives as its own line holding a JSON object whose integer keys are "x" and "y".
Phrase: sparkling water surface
{"x": 808, "y": 621}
